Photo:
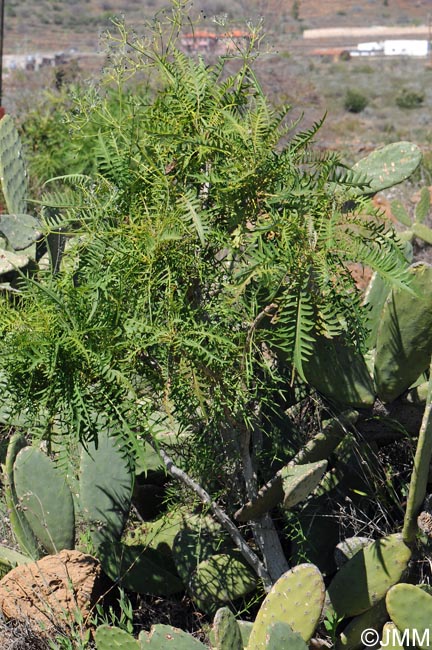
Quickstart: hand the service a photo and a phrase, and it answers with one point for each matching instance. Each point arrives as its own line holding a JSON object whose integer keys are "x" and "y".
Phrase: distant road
{"x": 367, "y": 32}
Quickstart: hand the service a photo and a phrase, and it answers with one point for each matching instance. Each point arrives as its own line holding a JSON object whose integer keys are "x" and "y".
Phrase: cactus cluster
{"x": 287, "y": 618}
{"x": 21, "y": 234}
{"x": 42, "y": 507}
{"x": 161, "y": 637}
{"x": 18, "y": 230}
{"x": 212, "y": 570}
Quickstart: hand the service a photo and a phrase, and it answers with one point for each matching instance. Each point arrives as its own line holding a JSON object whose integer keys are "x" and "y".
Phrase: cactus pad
{"x": 422, "y": 232}
{"x": 389, "y": 165}
{"x": 140, "y": 569}
{"x": 195, "y": 544}
{"x": 297, "y": 599}
{"x": 410, "y": 608}
{"x": 340, "y": 373}
{"x": 10, "y": 261}
{"x": 220, "y": 579}
{"x": 106, "y": 482}
{"x": 345, "y": 550}
{"x": 299, "y": 481}
{"x": 375, "y": 297}
{"x": 226, "y": 631}
{"x": 389, "y": 638}
{"x": 280, "y": 635}
{"x": 164, "y": 637}
{"x": 291, "y": 485}
{"x": 365, "y": 579}
{"x": 245, "y": 631}
{"x": 20, "y": 526}
{"x": 13, "y": 174}
{"x": 351, "y": 637}
{"x": 20, "y": 230}
{"x": 46, "y": 499}
{"x": 325, "y": 442}
{"x": 404, "y": 344}
{"x": 9, "y": 559}
{"x": 114, "y": 638}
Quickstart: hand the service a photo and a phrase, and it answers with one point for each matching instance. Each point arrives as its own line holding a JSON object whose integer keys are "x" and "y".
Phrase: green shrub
{"x": 207, "y": 252}
{"x": 409, "y": 98}
{"x": 355, "y": 101}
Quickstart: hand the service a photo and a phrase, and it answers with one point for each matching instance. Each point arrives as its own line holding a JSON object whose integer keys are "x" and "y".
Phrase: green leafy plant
{"x": 409, "y": 98}
{"x": 207, "y": 258}
{"x": 355, "y": 101}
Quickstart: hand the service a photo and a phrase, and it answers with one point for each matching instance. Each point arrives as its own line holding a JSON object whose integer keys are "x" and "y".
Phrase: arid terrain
{"x": 289, "y": 69}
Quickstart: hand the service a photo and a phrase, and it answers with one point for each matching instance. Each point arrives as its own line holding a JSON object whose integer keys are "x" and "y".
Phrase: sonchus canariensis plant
{"x": 208, "y": 256}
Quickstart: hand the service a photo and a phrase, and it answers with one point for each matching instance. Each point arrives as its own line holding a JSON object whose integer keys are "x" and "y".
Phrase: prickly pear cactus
{"x": 220, "y": 579}
{"x": 365, "y": 579}
{"x": 10, "y": 261}
{"x": 291, "y": 485}
{"x": 164, "y": 637}
{"x": 389, "y": 165}
{"x": 106, "y": 483}
{"x": 351, "y": 637}
{"x": 391, "y": 638}
{"x": 299, "y": 481}
{"x": 297, "y": 599}
{"x": 114, "y": 638}
{"x": 345, "y": 550}
{"x": 20, "y": 230}
{"x": 20, "y": 526}
{"x": 226, "y": 631}
{"x": 9, "y": 559}
{"x": 140, "y": 569}
{"x": 416, "y": 226}
{"x": 340, "y": 373}
{"x": 280, "y": 636}
{"x": 13, "y": 174}
{"x": 194, "y": 544}
{"x": 404, "y": 340}
{"x": 325, "y": 442}
{"x": 375, "y": 297}
{"x": 46, "y": 499}
{"x": 410, "y": 608}
{"x": 245, "y": 631}
{"x": 422, "y": 232}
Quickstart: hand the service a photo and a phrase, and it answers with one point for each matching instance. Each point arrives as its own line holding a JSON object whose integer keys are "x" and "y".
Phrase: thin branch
{"x": 267, "y": 311}
{"x": 252, "y": 559}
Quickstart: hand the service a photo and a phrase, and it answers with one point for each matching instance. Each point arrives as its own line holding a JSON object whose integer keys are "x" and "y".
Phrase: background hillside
{"x": 288, "y": 69}
{"x": 54, "y": 24}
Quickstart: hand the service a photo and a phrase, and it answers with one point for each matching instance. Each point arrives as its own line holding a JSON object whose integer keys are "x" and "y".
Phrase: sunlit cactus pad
{"x": 297, "y": 599}
{"x": 365, "y": 579}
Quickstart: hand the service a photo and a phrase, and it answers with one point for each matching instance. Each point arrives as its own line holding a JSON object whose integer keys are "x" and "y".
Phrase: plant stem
{"x": 419, "y": 476}
{"x": 251, "y": 557}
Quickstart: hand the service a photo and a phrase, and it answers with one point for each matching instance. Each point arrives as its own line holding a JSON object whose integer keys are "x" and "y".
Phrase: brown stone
{"x": 52, "y": 590}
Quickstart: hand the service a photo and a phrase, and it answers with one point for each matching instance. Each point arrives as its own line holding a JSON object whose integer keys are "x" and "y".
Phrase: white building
{"x": 406, "y": 48}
